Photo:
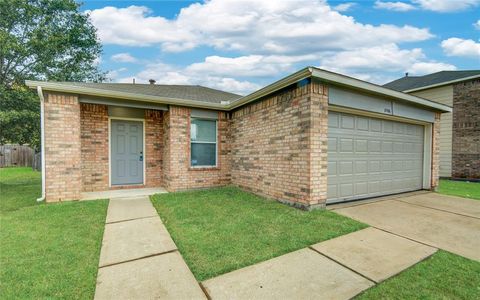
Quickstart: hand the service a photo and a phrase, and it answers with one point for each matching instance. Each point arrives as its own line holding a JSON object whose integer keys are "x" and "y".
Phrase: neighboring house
{"x": 273, "y": 142}
{"x": 459, "y": 130}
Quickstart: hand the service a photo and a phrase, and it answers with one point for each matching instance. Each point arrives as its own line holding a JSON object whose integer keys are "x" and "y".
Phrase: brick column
{"x": 63, "y": 174}
{"x": 436, "y": 151}
{"x": 318, "y": 145}
{"x": 175, "y": 137}
{"x": 153, "y": 147}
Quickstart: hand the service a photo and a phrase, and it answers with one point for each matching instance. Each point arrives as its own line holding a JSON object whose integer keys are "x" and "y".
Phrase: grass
{"x": 224, "y": 229}
{"x": 442, "y": 276}
{"x": 20, "y": 187}
{"x": 460, "y": 188}
{"x": 46, "y": 251}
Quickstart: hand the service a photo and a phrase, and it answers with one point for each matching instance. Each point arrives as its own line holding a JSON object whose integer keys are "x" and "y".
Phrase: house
{"x": 459, "y": 130}
{"x": 311, "y": 138}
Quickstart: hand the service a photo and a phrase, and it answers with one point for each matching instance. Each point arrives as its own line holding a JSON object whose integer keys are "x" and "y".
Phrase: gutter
{"x": 322, "y": 75}
{"x": 53, "y": 86}
{"x": 342, "y": 80}
{"x": 426, "y": 87}
{"x": 42, "y": 139}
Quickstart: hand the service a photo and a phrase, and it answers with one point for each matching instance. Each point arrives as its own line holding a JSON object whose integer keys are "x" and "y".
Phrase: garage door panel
{"x": 371, "y": 157}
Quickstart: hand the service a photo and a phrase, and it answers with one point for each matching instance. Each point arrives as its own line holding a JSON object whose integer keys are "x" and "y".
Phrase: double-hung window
{"x": 203, "y": 142}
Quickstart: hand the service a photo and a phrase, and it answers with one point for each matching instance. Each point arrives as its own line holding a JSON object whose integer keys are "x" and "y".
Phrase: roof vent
{"x": 406, "y": 74}
{"x": 152, "y": 81}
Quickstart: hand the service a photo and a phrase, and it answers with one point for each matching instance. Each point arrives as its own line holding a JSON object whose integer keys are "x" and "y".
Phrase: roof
{"x": 202, "y": 97}
{"x": 187, "y": 92}
{"x": 410, "y": 83}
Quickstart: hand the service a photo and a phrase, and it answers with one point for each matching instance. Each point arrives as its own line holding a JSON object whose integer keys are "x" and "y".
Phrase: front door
{"x": 126, "y": 152}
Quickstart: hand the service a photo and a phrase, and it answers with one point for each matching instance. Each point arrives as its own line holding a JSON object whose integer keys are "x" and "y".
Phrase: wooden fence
{"x": 17, "y": 156}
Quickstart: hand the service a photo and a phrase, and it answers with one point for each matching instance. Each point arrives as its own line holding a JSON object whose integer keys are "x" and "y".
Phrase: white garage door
{"x": 370, "y": 157}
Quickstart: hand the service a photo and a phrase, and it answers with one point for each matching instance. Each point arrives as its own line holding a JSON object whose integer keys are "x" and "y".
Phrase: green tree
{"x": 41, "y": 40}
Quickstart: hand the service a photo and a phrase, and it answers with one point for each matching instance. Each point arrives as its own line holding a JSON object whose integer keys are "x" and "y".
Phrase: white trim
{"x": 110, "y": 150}
{"x": 322, "y": 75}
{"x": 342, "y": 80}
{"x": 375, "y": 115}
{"x": 216, "y": 145}
{"x": 426, "y": 87}
{"x": 427, "y": 137}
{"x": 42, "y": 140}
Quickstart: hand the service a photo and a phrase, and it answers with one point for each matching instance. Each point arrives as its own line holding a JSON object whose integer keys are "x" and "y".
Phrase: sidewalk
{"x": 138, "y": 259}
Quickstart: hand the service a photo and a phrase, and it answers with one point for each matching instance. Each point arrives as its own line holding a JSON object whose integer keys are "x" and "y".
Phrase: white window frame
{"x": 196, "y": 142}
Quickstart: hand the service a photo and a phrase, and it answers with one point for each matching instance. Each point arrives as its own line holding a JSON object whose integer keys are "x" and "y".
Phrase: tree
{"x": 41, "y": 40}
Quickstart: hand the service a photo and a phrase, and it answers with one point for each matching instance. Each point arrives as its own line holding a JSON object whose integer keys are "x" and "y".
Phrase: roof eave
{"x": 62, "y": 88}
{"x": 343, "y": 80}
{"x": 271, "y": 88}
{"x": 426, "y": 87}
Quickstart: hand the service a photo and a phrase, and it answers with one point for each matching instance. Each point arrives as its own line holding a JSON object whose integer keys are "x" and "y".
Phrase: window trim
{"x": 192, "y": 142}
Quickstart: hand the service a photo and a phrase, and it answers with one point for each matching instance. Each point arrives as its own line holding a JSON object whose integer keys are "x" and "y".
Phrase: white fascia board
{"x": 343, "y": 80}
{"x": 441, "y": 84}
{"x": 326, "y": 76}
{"x": 271, "y": 88}
{"x": 64, "y": 88}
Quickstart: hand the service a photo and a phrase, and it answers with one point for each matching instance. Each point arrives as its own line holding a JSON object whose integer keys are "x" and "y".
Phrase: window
{"x": 203, "y": 142}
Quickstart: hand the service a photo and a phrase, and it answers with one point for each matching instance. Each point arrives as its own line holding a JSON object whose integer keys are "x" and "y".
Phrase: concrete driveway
{"x": 445, "y": 222}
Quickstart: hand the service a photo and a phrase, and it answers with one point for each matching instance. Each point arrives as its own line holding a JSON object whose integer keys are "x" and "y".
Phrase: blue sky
{"x": 239, "y": 46}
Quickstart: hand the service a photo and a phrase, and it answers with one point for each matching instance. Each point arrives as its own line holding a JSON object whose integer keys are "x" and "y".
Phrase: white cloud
{"x": 447, "y": 5}
{"x": 396, "y": 6}
{"x": 253, "y": 27}
{"x": 477, "y": 25}
{"x": 461, "y": 47}
{"x": 344, "y": 6}
{"x": 248, "y": 66}
{"x": 114, "y": 74}
{"x": 123, "y": 57}
{"x": 168, "y": 74}
{"x": 377, "y": 64}
{"x": 421, "y": 68}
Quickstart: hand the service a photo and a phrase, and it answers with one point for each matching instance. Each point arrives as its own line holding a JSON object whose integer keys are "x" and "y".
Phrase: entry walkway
{"x": 138, "y": 259}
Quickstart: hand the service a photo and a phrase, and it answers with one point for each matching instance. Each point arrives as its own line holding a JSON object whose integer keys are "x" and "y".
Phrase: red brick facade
{"x": 466, "y": 130}
{"x": 435, "y": 152}
{"x": 63, "y": 173}
{"x": 153, "y": 148}
{"x": 280, "y": 146}
{"x": 178, "y": 174}
{"x": 94, "y": 140}
{"x": 276, "y": 147}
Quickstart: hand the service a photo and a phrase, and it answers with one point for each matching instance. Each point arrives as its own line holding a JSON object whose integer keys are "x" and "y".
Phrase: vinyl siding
{"x": 443, "y": 95}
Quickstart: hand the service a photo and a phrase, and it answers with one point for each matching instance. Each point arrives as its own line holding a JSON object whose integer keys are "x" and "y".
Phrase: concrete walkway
{"x": 447, "y": 222}
{"x": 138, "y": 259}
{"x": 339, "y": 268}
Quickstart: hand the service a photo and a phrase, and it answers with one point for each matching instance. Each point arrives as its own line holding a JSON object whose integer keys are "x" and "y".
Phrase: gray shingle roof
{"x": 185, "y": 92}
{"x": 413, "y": 82}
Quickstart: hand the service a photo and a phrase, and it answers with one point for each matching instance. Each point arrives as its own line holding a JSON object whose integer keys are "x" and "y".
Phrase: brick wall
{"x": 435, "y": 151}
{"x": 63, "y": 180}
{"x": 279, "y": 146}
{"x": 94, "y": 141}
{"x": 466, "y": 130}
{"x": 178, "y": 175}
{"x": 153, "y": 148}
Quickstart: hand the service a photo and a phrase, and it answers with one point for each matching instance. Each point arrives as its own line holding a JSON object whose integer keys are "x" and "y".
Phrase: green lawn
{"x": 442, "y": 276}
{"x": 46, "y": 251}
{"x": 460, "y": 188}
{"x": 20, "y": 187}
{"x": 224, "y": 229}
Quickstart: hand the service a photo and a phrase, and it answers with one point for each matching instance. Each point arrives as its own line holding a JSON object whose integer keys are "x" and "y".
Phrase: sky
{"x": 241, "y": 46}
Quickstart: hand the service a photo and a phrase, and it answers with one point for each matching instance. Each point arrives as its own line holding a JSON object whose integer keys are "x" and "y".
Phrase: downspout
{"x": 42, "y": 139}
